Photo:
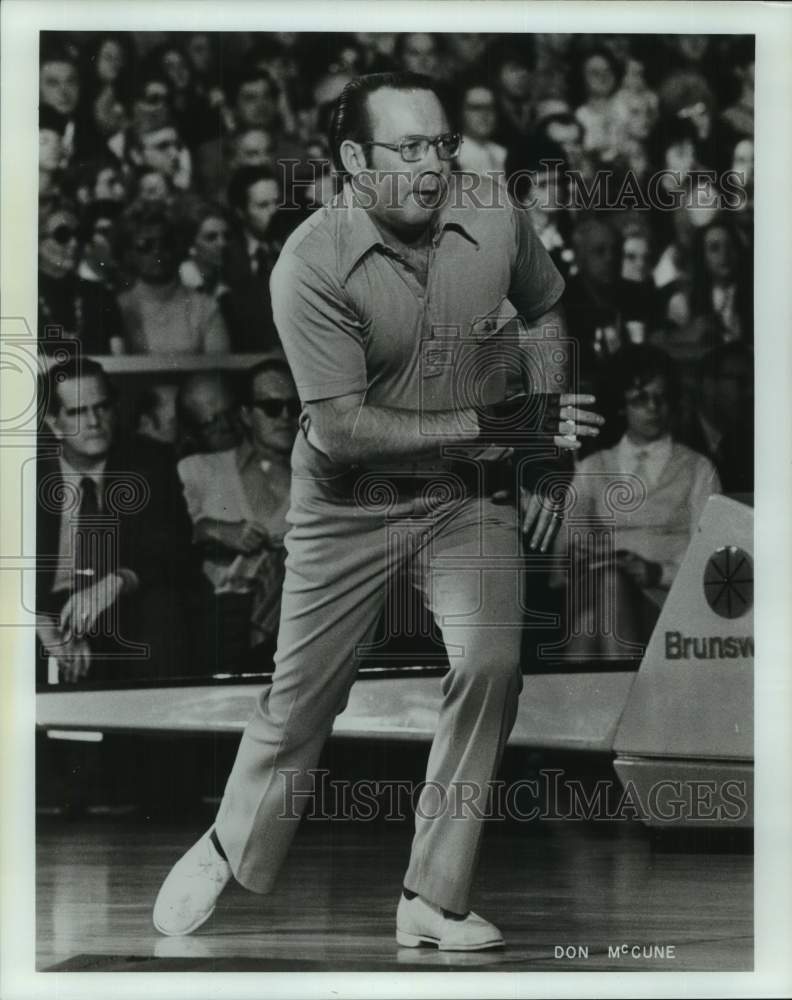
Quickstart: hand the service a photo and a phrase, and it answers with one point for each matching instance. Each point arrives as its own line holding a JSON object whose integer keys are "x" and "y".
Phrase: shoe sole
{"x": 415, "y": 941}
{"x": 189, "y": 930}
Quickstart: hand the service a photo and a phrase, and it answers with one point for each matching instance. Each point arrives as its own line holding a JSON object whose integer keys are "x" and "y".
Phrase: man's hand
{"x": 524, "y": 420}
{"x": 542, "y": 519}
{"x": 643, "y": 572}
{"x": 72, "y": 655}
{"x": 85, "y": 607}
{"x": 576, "y": 421}
{"x": 243, "y": 537}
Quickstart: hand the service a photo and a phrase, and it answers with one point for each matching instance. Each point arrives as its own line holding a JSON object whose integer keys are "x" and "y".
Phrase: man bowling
{"x": 402, "y": 256}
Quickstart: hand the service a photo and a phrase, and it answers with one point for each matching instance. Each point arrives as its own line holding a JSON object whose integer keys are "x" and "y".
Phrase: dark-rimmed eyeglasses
{"x": 273, "y": 408}
{"x": 643, "y": 398}
{"x": 413, "y": 148}
{"x": 63, "y": 235}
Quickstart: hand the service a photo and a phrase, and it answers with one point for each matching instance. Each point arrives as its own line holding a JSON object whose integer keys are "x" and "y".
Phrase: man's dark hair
{"x": 634, "y": 366}
{"x": 351, "y": 118}
{"x": 243, "y": 179}
{"x": 252, "y": 73}
{"x": 65, "y": 371}
{"x": 532, "y": 157}
{"x": 279, "y": 365}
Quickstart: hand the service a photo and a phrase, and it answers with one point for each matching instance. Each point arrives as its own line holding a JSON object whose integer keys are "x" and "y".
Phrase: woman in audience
{"x": 635, "y": 507}
{"x": 161, "y": 316}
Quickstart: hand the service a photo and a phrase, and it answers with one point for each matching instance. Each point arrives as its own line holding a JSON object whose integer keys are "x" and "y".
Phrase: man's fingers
{"x": 576, "y": 399}
{"x": 566, "y": 443}
{"x": 582, "y": 416}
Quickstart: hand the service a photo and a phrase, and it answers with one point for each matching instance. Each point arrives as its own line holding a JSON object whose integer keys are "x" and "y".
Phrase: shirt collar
{"x": 96, "y": 473}
{"x": 357, "y": 233}
{"x": 654, "y": 450}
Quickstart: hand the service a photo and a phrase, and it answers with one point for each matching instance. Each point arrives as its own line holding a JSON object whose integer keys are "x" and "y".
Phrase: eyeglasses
{"x": 63, "y": 234}
{"x": 277, "y": 407}
{"x": 413, "y": 148}
{"x": 644, "y": 398}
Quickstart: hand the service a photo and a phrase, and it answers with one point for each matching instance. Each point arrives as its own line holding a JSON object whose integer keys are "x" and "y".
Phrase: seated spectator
{"x": 107, "y": 72}
{"x": 620, "y": 582}
{"x": 739, "y": 117}
{"x": 59, "y": 92}
{"x": 600, "y": 73}
{"x": 537, "y": 181}
{"x": 721, "y": 424}
{"x": 195, "y": 118}
{"x": 98, "y": 261}
{"x": 595, "y": 294}
{"x": 156, "y": 417}
{"x": 478, "y": 118}
{"x": 418, "y": 52}
{"x": 254, "y": 196}
{"x": 641, "y": 305}
{"x": 68, "y": 305}
{"x": 206, "y": 409}
{"x": 721, "y": 293}
{"x": 51, "y": 158}
{"x": 203, "y": 269}
{"x": 101, "y": 180}
{"x": 154, "y": 144}
{"x": 743, "y": 180}
{"x": 514, "y": 90}
{"x": 161, "y": 316}
{"x": 238, "y": 499}
{"x": 112, "y": 539}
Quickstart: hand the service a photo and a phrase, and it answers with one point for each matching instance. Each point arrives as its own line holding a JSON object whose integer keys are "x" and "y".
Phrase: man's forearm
{"x": 381, "y": 433}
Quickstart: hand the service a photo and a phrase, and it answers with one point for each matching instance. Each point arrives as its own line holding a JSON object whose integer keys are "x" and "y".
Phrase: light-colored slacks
{"x": 465, "y": 558}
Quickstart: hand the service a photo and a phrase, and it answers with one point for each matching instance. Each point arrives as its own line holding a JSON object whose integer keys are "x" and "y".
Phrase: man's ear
{"x": 352, "y": 157}
{"x": 244, "y": 417}
{"x": 49, "y": 420}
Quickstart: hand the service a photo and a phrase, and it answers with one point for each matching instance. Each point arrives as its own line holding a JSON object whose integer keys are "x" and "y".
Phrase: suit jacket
{"x": 250, "y": 295}
{"x": 144, "y": 502}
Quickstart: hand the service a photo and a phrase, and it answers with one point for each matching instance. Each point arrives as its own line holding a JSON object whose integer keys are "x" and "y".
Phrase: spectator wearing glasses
{"x": 351, "y": 297}
{"x": 254, "y": 196}
{"x": 93, "y": 598}
{"x": 671, "y": 484}
{"x": 68, "y": 305}
{"x": 479, "y": 154}
{"x": 238, "y": 499}
{"x": 161, "y": 316}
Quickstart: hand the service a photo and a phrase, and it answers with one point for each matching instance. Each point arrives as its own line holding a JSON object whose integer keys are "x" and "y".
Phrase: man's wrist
{"x": 520, "y": 420}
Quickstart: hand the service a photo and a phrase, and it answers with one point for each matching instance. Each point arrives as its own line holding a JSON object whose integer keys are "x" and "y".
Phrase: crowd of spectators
{"x": 173, "y": 166}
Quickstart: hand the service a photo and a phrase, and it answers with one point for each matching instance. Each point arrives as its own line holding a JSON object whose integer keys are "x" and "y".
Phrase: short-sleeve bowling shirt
{"x": 353, "y": 317}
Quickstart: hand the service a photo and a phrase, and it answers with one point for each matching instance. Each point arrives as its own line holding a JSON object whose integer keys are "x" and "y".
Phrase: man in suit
{"x": 113, "y": 538}
{"x": 254, "y": 195}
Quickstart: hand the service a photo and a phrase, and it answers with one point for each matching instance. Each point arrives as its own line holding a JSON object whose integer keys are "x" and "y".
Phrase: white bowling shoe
{"x": 420, "y": 922}
{"x": 188, "y": 895}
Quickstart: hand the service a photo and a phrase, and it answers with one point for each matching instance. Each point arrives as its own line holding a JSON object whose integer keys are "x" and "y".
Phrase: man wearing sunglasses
{"x": 238, "y": 499}
{"x": 381, "y": 299}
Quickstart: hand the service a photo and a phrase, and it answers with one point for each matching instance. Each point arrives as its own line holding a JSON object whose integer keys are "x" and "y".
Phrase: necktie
{"x": 261, "y": 258}
{"x": 641, "y": 469}
{"x": 89, "y": 547}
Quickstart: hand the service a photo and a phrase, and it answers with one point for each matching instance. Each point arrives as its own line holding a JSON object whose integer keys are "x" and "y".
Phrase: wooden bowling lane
{"x": 580, "y": 887}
